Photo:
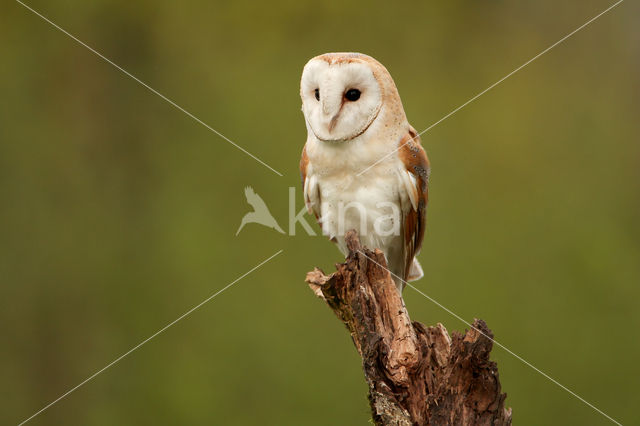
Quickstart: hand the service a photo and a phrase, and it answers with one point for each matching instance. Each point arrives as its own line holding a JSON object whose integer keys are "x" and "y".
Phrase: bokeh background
{"x": 118, "y": 212}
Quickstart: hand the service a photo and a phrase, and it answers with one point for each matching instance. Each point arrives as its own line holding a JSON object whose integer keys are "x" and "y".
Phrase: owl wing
{"x": 415, "y": 179}
{"x": 311, "y": 191}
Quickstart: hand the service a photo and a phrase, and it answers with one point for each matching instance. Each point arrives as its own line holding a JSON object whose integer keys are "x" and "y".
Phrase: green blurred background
{"x": 118, "y": 212}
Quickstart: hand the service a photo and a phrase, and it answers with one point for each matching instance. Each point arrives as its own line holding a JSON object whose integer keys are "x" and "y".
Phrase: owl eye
{"x": 352, "y": 95}
{"x": 317, "y": 92}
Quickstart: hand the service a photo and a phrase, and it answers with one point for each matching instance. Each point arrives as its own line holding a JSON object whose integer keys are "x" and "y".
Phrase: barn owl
{"x": 362, "y": 166}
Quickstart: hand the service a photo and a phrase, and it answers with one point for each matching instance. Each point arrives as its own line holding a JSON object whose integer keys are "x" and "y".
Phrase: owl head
{"x": 344, "y": 93}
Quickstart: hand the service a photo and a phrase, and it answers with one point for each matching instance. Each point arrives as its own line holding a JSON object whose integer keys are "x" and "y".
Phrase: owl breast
{"x": 370, "y": 206}
{"x": 371, "y": 203}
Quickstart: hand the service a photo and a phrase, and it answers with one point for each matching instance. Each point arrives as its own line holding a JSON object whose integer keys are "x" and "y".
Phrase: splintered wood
{"x": 417, "y": 375}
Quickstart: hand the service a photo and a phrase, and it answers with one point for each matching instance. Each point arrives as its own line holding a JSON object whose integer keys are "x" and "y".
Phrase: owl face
{"x": 340, "y": 98}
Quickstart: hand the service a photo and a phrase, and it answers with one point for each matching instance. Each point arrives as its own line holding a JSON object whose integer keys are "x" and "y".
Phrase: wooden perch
{"x": 417, "y": 375}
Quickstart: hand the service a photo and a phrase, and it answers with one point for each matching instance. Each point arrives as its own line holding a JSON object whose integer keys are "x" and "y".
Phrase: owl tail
{"x": 415, "y": 272}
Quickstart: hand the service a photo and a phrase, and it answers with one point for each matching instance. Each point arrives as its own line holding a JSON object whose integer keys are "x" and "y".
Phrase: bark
{"x": 416, "y": 374}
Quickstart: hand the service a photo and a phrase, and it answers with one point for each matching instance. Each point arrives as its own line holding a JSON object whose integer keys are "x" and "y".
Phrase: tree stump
{"x": 417, "y": 375}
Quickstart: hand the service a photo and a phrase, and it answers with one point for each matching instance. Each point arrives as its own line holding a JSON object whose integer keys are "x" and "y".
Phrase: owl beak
{"x": 332, "y": 102}
{"x": 333, "y": 122}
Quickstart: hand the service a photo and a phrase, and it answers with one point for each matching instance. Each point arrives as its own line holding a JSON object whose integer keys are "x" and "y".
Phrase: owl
{"x": 363, "y": 166}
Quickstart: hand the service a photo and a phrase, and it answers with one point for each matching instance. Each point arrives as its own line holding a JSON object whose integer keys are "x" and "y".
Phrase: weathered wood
{"x": 416, "y": 375}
